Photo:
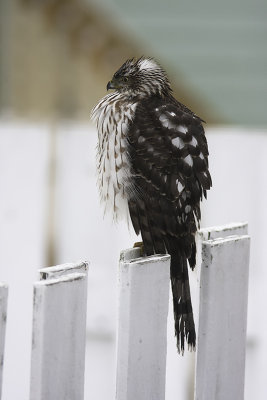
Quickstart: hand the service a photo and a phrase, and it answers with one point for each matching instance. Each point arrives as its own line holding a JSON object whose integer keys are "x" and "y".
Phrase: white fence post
{"x": 220, "y": 365}
{"x": 214, "y": 232}
{"x": 59, "y": 333}
{"x": 3, "y": 316}
{"x": 142, "y": 331}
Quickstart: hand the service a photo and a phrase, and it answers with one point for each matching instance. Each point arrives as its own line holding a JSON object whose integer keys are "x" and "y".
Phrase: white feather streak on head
{"x": 147, "y": 64}
{"x": 144, "y": 76}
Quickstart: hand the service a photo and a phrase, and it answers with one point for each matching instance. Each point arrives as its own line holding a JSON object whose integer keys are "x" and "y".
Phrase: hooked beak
{"x": 114, "y": 84}
{"x": 111, "y": 85}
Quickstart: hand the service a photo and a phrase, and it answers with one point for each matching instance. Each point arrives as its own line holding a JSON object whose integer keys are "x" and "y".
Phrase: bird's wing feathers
{"x": 168, "y": 152}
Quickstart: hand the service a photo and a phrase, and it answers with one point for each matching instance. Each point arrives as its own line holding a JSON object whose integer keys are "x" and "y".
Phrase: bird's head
{"x": 143, "y": 76}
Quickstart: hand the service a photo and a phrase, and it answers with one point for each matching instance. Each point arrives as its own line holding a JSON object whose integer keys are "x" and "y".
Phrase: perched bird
{"x": 152, "y": 163}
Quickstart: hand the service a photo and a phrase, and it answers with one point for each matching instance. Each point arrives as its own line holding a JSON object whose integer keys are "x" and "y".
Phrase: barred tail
{"x": 182, "y": 306}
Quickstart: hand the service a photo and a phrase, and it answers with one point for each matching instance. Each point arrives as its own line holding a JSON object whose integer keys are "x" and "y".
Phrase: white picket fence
{"x": 59, "y": 323}
{"x": 59, "y": 333}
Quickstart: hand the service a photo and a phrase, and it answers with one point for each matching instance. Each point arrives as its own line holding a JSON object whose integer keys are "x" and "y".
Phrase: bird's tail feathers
{"x": 182, "y": 306}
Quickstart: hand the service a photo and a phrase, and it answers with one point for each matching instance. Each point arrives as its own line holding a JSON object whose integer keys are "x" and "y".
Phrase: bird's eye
{"x": 125, "y": 78}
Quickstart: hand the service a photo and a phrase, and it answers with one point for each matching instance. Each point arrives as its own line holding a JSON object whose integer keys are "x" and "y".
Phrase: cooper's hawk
{"x": 152, "y": 163}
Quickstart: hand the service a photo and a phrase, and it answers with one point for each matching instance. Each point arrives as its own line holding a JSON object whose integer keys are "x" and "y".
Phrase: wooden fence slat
{"x": 59, "y": 334}
{"x": 142, "y": 330}
{"x": 3, "y": 317}
{"x": 220, "y": 365}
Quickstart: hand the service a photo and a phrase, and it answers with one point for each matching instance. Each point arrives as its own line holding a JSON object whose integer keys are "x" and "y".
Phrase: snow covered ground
{"x": 50, "y": 212}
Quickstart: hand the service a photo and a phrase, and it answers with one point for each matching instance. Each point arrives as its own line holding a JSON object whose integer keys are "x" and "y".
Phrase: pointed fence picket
{"x": 59, "y": 323}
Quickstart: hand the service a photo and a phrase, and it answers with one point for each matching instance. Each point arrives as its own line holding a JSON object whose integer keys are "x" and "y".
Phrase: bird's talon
{"x": 141, "y": 246}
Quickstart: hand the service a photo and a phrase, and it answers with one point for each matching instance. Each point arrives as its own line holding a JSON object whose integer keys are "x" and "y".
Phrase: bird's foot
{"x": 141, "y": 245}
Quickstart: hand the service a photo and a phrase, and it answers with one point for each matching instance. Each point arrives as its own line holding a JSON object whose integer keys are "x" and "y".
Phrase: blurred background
{"x": 56, "y": 57}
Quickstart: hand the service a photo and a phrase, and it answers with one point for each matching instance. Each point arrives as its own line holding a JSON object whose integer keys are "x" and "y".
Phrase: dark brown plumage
{"x": 165, "y": 172}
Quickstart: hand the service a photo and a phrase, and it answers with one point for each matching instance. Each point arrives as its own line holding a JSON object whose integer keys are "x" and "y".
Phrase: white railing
{"x": 59, "y": 323}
